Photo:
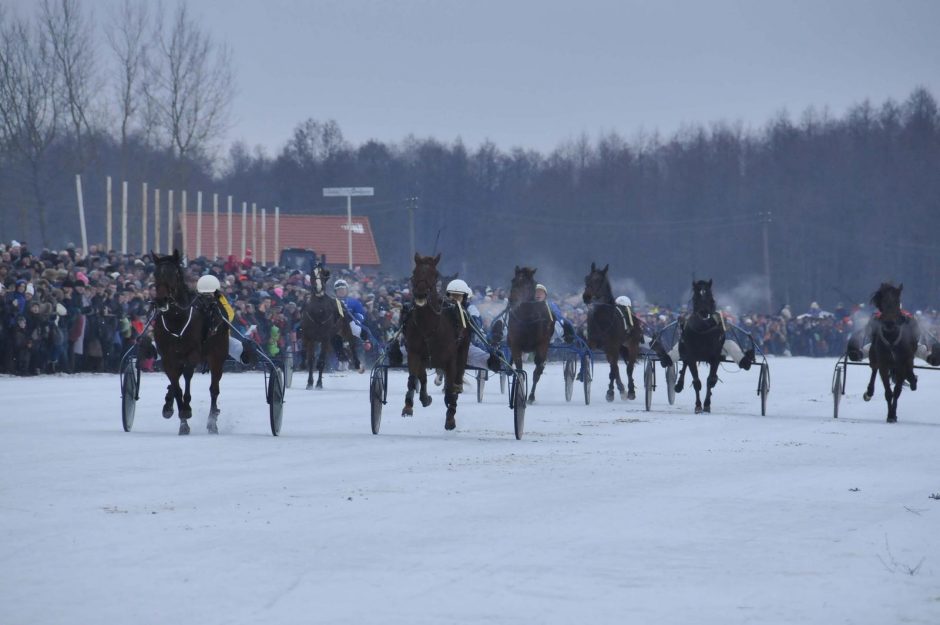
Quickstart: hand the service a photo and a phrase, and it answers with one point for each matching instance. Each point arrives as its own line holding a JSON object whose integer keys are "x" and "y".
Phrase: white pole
{"x": 244, "y": 228}
{"x": 169, "y": 221}
{"x": 198, "y": 224}
{"x": 215, "y": 226}
{"x": 156, "y": 220}
{"x": 254, "y": 228}
{"x": 81, "y": 212}
{"x": 277, "y": 234}
{"x": 349, "y": 226}
{"x": 264, "y": 236}
{"x": 143, "y": 220}
{"x": 109, "y": 210}
{"x": 229, "y": 226}
{"x": 183, "y": 222}
{"x": 124, "y": 217}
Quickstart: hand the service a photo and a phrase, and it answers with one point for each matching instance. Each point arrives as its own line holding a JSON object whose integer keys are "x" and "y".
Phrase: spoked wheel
{"x": 288, "y": 368}
{"x": 519, "y": 390}
{"x": 482, "y": 377}
{"x": 838, "y": 383}
{"x": 276, "y": 399}
{"x": 129, "y": 385}
{"x": 571, "y": 370}
{"x": 649, "y": 382}
{"x": 586, "y": 368}
{"x": 375, "y": 399}
{"x": 671, "y": 383}
{"x": 764, "y": 388}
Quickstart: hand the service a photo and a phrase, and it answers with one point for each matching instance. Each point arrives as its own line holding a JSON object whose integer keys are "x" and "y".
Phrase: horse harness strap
{"x": 463, "y": 314}
{"x": 185, "y": 326}
{"x": 339, "y": 308}
{"x": 549, "y": 309}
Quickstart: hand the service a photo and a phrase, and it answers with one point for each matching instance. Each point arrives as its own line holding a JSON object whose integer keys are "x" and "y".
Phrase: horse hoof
{"x": 610, "y": 396}
{"x": 893, "y": 419}
{"x": 426, "y": 401}
{"x": 450, "y": 423}
{"x": 167, "y": 413}
{"x": 184, "y": 428}
{"x": 631, "y": 394}
{"x": 407, "y": 411}
{"x": 309, "y": 386}
{"x": 707, "y": 409}
{"x": 866, "y": 397}
{"x": 679, "y": 388}
{"x": 530, "y": 400}
{"x": 698, "y": 410}
{"x": 212, "y": 426}
{"x": 319, "y": 386}
{"x": 361, "y": 369}
{"x": 438, "y": 380}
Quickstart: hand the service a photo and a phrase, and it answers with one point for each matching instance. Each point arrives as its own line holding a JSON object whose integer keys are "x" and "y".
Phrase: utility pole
{"x": 412, "y": 206}
{"x": 348, "y": 193}
{"x": 765, "y": 223}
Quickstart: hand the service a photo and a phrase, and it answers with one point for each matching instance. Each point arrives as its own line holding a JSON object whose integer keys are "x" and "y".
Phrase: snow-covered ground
{"x": 601, "y": 514}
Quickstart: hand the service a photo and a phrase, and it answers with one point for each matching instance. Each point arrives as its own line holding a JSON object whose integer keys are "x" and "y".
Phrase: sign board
{"x": 347, "y": 191}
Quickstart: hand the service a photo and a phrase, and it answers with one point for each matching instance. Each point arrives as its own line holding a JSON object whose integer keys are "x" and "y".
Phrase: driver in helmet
{"x": 357, "y": 313}
{"x": 208, "y": 286}
{"x": 563, "y": 328}
{"x": 460, "y": 293}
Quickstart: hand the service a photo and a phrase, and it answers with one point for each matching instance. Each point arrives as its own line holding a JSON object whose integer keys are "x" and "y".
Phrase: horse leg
{"x": 889, "y": 394}
{"x": 408, "y": 410}
{"x": 321, "y": 362}
{"x": 870, "y": 391}
{"x": 710, "y": 383}
{"x": 539, "y": 367}
{"x": 696, "y": 384}
{"x": 215, "y": 368}
{"x": 309, "y": 348}
{"x": 631, "y": 362}
{"x": 423, "y": 396}
{"x": 680, "y": 382}
{"x": 186, "y": 409}
{"x": 898, "y": 387}
{"x": 450, "y": 396}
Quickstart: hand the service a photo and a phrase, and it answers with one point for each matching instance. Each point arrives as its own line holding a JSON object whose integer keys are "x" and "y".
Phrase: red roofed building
{"x": 324, "y": 234}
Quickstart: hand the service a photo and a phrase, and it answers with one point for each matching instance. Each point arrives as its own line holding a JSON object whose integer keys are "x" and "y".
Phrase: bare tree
{"x": 29, "y": 109}
{"x": 191, "y": 85}
{"x": 71, "y": 41}
{"x": 127, "y": 38}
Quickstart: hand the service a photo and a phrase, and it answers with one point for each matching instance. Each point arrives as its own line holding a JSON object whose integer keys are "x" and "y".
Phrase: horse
{"x": 437, "y": 336}
{"x": 618, "y": 335}
{"x": 188, "y": 332}
{"x": 702, "y": 340}
{"x": 324, "y": 320}
{"x": 894, "y": 337}
{"x": 530, "y": 324}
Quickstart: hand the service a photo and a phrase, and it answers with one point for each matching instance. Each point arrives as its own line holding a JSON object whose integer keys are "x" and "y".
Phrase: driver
{"x": 563, "y": 328}
{"x": 208, "y": 286}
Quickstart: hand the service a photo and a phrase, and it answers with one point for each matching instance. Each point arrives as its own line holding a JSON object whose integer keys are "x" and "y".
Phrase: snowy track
{"x": 601, "y": 514}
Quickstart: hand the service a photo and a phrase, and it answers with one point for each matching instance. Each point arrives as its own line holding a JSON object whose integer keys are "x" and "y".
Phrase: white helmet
{"x": 459, "y": 286}
{"x": 340, "y": 284}
{"x": 208, "y": 284}
{"x": 623, "y": 300}
{"x": 541, "y": 287}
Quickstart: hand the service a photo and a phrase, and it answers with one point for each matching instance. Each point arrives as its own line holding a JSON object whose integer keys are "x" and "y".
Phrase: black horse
{"x": 530, "y": 324}
{"x": 188, "y": 331}
{"x": 894, "y": 336}
{"x": 437, "y": 336}
{"x": 324, "y": 321}
{"x": 702, "y": 340}
{"x": 608, "y": 328}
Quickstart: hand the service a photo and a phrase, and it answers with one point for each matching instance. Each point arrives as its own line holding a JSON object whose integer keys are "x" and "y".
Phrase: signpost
{"x": 348, "y": 192}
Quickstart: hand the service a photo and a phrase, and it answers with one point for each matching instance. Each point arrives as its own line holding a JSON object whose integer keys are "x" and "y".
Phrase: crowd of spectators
{"x": 67, "y": 311}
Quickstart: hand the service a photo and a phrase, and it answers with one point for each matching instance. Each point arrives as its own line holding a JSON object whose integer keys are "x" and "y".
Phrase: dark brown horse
{"x": 530, "y": 324}
{"x": 609, "y": 328}
{"x": 894, "y": 336}
{"x": 188, "y": 332}
{"x": 324, "y": 321}
{"x": 437, "y": 336}
{"x": 702, "y": 340}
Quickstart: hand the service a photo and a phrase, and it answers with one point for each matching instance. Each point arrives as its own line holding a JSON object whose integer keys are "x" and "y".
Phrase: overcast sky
{"x": 534, "y": 73}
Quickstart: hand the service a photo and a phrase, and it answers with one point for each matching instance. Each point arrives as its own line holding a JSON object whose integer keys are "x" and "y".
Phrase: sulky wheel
{"x": 764, "y": 388}
{"x": 518, "y": 388}
{"x": 276, "y": 400}
{"x": 571, "y": 371}
{"x": 129, "y": 384}
{"x": 649, "y": 382}
{"x": 671, "y": 383}
{"x": 375, "y": 400}
{"x": 838, "y": 385}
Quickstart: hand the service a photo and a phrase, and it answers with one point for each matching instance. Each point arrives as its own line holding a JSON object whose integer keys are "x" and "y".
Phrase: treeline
{"x": 847, "y": 201}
